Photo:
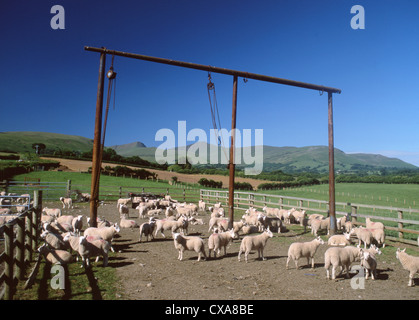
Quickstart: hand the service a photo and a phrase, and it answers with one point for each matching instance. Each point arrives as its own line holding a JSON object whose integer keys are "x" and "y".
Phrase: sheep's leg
{"x": 411, "y": 275}
{"x": 288, "y": 260}
{"x": 240, "y": 253}
{"x": 312, "y": 262}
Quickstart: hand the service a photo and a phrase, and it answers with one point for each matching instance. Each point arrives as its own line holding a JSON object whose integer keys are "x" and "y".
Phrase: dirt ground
{"x": 151, "y": 271}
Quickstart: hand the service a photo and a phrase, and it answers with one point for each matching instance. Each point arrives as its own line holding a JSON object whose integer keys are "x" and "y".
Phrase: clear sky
{"x": 50, "y": 82}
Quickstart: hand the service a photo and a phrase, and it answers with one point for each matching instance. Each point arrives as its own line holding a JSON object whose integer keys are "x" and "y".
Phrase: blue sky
{"x": 50, "y": 81}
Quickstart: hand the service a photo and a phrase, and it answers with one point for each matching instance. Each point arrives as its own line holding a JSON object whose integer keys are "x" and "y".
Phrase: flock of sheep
{"x": 63, "y": 234}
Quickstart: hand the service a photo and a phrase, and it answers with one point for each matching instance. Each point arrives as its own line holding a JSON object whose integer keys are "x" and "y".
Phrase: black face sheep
{"x": 255, "y": 243}
{"x": 410, "y": 263}
{"x": 189, "y": 243}
{"x": 299, "y": 250}
{"x": 216, "y": 241}
{"x": 340, "y": 257}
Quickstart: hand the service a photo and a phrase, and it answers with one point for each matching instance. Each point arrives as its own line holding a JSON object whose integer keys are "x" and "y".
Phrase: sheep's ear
{"x": 404, "y": 250}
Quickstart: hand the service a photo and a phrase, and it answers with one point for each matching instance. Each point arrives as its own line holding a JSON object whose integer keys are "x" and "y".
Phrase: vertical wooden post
{"x": 332, "y": 204}
{"x": 96, "y": 161}
{"x": 232, "y": 151}
{"x": 400, "y": 224}
{"x": 20, "y": 248}
{"x": 9, "y": 262}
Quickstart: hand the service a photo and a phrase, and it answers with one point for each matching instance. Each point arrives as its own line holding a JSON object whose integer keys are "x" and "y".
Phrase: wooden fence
{"x": 401, "y": 224}
{"x": 20, "y": 242}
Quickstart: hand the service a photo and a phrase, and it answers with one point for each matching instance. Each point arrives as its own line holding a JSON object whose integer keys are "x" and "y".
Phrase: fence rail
{"x": 401, "y": 224}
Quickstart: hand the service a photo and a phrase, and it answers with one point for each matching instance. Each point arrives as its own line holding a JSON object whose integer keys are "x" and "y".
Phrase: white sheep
{"x": 106, "y": 233}
{"x": 221, "y": 223}
{"x": 340, "y": 257}
{"x": 127, "y": 223}
{"x": 218, "y": 240}
{"x": 191, "y": 243}
{"x": 53, "y": 256}
{"x": 379, "y": 235}
{"x": 124, "y": 201}
{"x": 173, "y": 225}
{"x": 369, "y": 262}
{"x": 67, "y": 202}
{"x": 216, "y": 212}
{"x": 340, "y": 240}
{"x": 54, "y": 240}
{"x": 201, "y": 205}
{"x": 94, "y": 248}
{"x": 317, "y": 225}
{"x": 142, "y": 210}
{"x": 363, "y": 235}
{"x": 77, "y": 224}
{"x": 255, "y": 243}
{"x": 299, "y": 250}
{"x": 53, "y": 212}
{"x": 409, "y": 263}
{"x": 147, "y": 229}
{"x": 373, "y": 225}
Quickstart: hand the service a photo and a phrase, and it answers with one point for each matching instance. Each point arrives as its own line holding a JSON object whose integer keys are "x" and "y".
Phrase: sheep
{"x": 54, "y": 240}
{"x": 216, "y": 212}
{"x": 374, "y": 250}
{"x": 147, "y": 229}
{"x": 67, "y": 202}
{"x": 142, "y": 209}
{"x": 123, "y": 210}
{"x": 378, "y": 235}
{"x": 248, "y": 229}
{"x": 343, "y": 257}
{"x": 60, "y": 257}
{"x": 363, "y": 235}
{"x": 252, "y": 220}
{"x": 317, "y": 225}
{"x": 56, "y": 227}
{"x": 127, "y": 223}
{"x": 54, "y": 212}
{"x": 94, "y": 248}
{"x": 124, "y": 201}
{"x": 170, "y": 212}
{"x": 369, "y": 262}
{"x": 270, "y": 222}
{"x": 339, "y": 240}
{"x": 106, "y": 233}
{"x": 308, "y": 249}
{"x": 218, "y": 240}
{"x": 77, "y": 224}
{"x": 373, "y": 225}
{"x": 299, "y": 216}
{"x": 271, "y": 211}
{"x": 221, "y": 223}
{"x": 409, "y": 262}
{"x": 154, "y": 212}
{"x": 255, "y": 242}
{"x": 201, "y": 205}
{"x": 190, "y": 243}
{"x": 184, "y": 211}
{"x": 100, "y": 222}
{"x": 5, "y": 211}
{"x": 23, "y": 198}
{"x": 164, "y": 225}
{"x": 66, "y": 219}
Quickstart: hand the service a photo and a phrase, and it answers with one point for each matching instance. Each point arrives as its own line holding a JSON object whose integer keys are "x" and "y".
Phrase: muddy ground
{"x": 151, "y": 271}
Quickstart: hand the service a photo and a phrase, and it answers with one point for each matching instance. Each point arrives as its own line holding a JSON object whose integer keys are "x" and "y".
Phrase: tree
{"x": 38, "y": 147}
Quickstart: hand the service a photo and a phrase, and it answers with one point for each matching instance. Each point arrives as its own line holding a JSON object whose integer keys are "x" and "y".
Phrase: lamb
{"x": 106, "y": 233}
{"x": 201, "y": 205}
{"x": 373, "y": 225}
{"x": 170, "y": 212}
{"x": 216, "y": 212}
{"x": 60, "y": 257}
{"x": 363, "y": 235}
{"x": 164, "y": 225}
{"x": 54, "y": 240}
{"x": 154, "y": 212}
{"x": 142, "y": 209}
{"x": 252, "y": 219}
{"x": 56, "y": 227}
{"x": 67, "y": 202}
{"x": 94, "y": 248}
{"x": 54, "y": 212}
{"x": 255, "y": 242}
{"x": 100, "y": 222}
{"x": 66, "y": 219}
{"x": 218, "y": 240}
{"x": 123, "y": 210}
{"x": 343, "y": 257}
{"x": 270, "y": 222}
{"x": 339, "y": 240}
{"x": 248, "y": 229}
{"x": 147, "y": 229}
{"x": 23, "y": 198}
{"x": 409, "y": 262}
{"x": 190, "y": 243}
{"x": 271, "y": 211}
{"x": 127, "y": 223}
{"x": 369, "y": 262}
{"x": 77, "y": 224}
{"x": 221, "y": 223}
{"x": 379, "y": 235}
{"x": 317, "y": 225}
{"x": 124, "y": 201}
{"x": 308, "y": 249}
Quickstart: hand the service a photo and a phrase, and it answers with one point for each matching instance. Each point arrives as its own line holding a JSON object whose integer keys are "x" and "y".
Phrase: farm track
{"x": 151, "y": 271}
{"x": 80, "y": 166}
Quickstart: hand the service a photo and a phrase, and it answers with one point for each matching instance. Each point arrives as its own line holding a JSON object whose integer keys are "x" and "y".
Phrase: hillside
{"x": 287, "y": 159}
{"x": 21, "y": 141}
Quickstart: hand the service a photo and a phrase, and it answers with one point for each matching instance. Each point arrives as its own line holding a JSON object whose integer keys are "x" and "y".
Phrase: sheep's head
{"x": 269, "y": 233}
{"x": 320, "y": 240}
{"x": 82, "y": 240}
{"x": 176, "y": 236}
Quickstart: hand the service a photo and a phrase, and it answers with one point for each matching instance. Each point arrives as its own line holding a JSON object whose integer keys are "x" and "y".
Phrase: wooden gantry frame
{"x": 96, "y": 159}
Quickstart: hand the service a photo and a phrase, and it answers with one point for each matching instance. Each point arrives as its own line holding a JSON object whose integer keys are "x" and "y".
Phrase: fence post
{"x": 20, "y": 248}
{"x": 353, "y": 213}
{"x": 184, "y": 195}
{"x": 281, "y": 203}
{"x": 36, "y": 215}
{"x": 68, "y": 189}
{"x": 120, "y": 192}
{"x": 400, "y": 224}
{"x": 9, "y": 259}
{"x": 301, "y": 203}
